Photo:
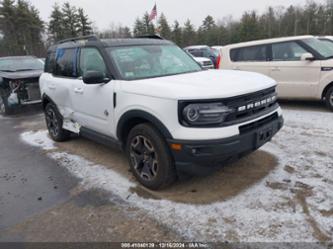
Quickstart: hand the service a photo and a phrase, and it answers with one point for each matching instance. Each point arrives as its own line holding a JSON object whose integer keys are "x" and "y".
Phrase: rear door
{"x": 93, "y": 103}
{"x": 295, "y": 78}
{"x": 252, "y": 59}
{"x": 60, "y": 74}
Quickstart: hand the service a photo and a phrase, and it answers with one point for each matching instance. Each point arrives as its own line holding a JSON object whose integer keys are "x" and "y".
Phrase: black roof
{"x": 109, "y": 42}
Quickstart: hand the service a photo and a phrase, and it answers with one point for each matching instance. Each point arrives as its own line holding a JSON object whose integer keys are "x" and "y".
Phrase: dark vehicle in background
{"x": 19, "y": 82}
{"x": 206, "y": 52}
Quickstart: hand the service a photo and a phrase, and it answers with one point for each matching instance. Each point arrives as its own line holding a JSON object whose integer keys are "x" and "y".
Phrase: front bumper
{"x": 201, "y": 157}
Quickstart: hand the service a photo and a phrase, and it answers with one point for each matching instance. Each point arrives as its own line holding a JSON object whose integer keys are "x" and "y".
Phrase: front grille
{"x": 29, "y": 90}
{"x": 251, "y": 105}
{"x": 255, "y": 125}
{"x": 242, "y": 108}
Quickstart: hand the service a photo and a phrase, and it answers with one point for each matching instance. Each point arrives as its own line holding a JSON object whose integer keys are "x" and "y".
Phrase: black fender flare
{"x": 47, "y": 99}
{"x": 126, "y": 118}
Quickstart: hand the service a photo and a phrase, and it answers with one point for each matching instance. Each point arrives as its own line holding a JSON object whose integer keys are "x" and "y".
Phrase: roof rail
{"x": 155, "y": 36}
{"x": 87, "y": 37}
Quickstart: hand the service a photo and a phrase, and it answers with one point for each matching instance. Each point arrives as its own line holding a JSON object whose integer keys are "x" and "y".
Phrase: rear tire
{"x": 329, "y": 98}
{"x": 149, "y": 157}
{"x": 54, "y": 124}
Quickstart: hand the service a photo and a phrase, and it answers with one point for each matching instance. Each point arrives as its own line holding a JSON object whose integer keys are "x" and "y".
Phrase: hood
{"x": 201, "y": 59}
{"x": 21, "y": 74}
{"x": 209, "y": 84}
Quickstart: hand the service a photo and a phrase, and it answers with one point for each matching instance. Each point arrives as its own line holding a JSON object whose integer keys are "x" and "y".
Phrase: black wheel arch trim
{"x": 46, "y": 98}
{"x": 326, "y": 88}
{"x": 139, "y": 114}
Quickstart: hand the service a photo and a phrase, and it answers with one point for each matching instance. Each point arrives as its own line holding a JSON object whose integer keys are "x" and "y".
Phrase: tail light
{"x": 218, "y": 61}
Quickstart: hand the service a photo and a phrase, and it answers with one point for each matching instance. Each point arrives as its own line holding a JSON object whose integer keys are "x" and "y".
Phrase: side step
{"x": 100, "y": 138}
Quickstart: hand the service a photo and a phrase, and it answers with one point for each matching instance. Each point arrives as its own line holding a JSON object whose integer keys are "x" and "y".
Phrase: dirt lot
{"x": 283, "y": 192}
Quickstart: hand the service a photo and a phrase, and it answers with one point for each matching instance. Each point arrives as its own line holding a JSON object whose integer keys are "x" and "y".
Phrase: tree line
{"x": 22, "y": 31}
{"x": 312, "y": 18}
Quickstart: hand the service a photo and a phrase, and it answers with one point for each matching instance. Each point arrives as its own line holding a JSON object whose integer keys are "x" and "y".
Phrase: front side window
{"x": 287, "y": 51}
{"x": 148, "y": 61}
{"x": 91, "y": 60}
{"x": 20, "y": 64}
{"x": 65, "y": 64}
{"x": 254, "y": 53}
{"x": 322, "y": 48}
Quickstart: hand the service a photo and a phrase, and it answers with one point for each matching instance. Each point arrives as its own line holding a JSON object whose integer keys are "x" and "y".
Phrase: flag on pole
{"x": 153, "y": 13}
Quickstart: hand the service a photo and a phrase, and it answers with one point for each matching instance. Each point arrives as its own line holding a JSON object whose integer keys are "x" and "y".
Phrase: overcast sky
{"x": 105, "y": 12}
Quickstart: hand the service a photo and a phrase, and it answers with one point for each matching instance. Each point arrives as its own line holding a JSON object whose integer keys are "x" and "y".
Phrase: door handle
{"x": 276, "y": 69}
{"x": 52, "y": 87}
{"x": 236, "y": 68}
{"x": 78, "y": 90}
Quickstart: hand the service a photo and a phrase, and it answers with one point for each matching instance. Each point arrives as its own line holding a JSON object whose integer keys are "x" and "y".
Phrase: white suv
{"x": 301, "y": 65}
{"x": 154, "y": 101}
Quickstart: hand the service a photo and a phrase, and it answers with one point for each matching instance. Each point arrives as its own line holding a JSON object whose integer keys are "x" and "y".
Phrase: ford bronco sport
{"x": 152, "y": 99}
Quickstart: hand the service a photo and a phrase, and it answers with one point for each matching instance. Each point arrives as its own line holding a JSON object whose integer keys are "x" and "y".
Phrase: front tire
{"x": 149, "y": 157}
{"x": 329, "y": 98}
{"x": 4, "y": 108}
{"x": 54, "y": 124}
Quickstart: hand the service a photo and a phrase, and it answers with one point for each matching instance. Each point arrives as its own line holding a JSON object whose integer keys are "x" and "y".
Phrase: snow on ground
{"x": 293, "y": 203}
{"x": 38, "y": 139}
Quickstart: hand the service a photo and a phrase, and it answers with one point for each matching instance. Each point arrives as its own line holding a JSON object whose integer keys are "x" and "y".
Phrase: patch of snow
{"x": 38, "y": 139}
{"x": 257, "y": 214}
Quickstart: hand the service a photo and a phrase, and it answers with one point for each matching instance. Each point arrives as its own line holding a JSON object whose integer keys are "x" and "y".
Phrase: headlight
{"x": 204, "y": 114}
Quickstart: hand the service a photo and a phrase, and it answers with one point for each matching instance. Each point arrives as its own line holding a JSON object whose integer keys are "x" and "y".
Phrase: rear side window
{"x": 65, "y": 63}
{"x": 287, "y": 51}
{"x": 254, "y": 53}
{"x": 50, "y": 63}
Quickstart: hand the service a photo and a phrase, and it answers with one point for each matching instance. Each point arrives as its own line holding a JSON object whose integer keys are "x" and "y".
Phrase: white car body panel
{"x": 295, "y": 79}
{"x": 200, "y": 85}
{"x": 157, "y": 96}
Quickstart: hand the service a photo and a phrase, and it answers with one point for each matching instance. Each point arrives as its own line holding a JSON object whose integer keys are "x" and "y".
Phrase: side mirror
{"x": 95, "y": 77}
{"x": 307, "y": 57}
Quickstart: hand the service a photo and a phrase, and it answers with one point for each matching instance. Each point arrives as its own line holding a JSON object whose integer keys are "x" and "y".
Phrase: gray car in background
{"x": 19, "y": 82}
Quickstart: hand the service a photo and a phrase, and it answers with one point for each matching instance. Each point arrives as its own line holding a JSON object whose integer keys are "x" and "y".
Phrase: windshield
{"x": 322, "y": 48}
{"x": 149, "y": 61}
{"x": 20, "y": 64}
{"x": 328, "y": 43}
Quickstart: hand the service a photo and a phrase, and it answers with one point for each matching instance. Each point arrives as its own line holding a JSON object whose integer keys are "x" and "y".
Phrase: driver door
{"x": 93, "y": 103}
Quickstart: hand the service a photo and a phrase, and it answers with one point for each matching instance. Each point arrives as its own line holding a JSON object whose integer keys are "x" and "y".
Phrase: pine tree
{"x": 164, "y": 28}
{"x": 84, "y": 27}
{"x": 143, "y": 26}
{"x": 21, "y": 28}
{"x": 189, "y": 34}
{"x": 177, "y": 34}
{"x": 208, "y": 24}
{"x": 148, "y": 25}
{"x": 249, "y": 26}
{"x": 8, "y": 26}
{"x": 139, "y": 28}
{"x": 71, "y": 20}
{"x": 56, "y": 25}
